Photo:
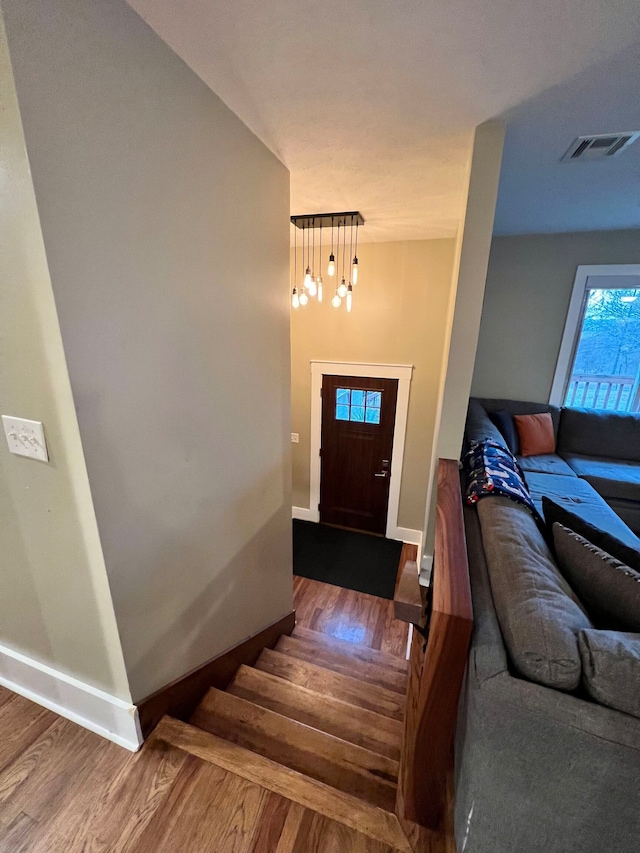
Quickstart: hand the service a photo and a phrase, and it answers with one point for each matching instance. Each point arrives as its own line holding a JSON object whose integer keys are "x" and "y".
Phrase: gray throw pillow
{"x": 611, "y": 668}
{"x": 609, "y": 589}
{"x": 538, "y": 613}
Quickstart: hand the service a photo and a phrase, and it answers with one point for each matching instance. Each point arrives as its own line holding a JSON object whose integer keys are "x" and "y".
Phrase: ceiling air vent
{"x": 599, "y": 147}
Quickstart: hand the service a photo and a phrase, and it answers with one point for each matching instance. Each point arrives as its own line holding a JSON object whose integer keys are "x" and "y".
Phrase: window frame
{"x": 575, "y": 314}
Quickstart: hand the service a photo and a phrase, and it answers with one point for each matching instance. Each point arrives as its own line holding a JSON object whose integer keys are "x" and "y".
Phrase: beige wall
{"x": 55, "y": 605}
{"x": 529, "y": 285}
{"x": 166, "y": 227}
{"x": 398, "y": 317}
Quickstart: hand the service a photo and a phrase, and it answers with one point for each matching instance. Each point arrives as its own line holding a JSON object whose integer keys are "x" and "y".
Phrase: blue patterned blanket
{"x": 491, "y": 469}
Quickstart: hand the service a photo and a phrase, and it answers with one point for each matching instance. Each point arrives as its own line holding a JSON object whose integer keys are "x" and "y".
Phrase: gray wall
{"x": 55, "y": 604}
{"x": 166, "y": 228}
{"x": 526, "y": 299}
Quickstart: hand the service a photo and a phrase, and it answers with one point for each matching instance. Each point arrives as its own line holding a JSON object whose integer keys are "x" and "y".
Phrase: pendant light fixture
{"x": 319, "y": 279}
{"x": 312, "y": 284}
{"x": 331, "y": 269}
{"x": 354, "y": 264}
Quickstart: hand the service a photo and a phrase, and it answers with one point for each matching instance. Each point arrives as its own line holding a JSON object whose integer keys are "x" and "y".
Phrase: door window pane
{"x": 373, "y": 416}
{"x": 359, "y": 405}
{"x": 606, "y": 366}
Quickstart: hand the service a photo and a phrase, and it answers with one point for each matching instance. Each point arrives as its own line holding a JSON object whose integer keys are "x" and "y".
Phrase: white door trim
{"x": 401, "y": 372}
{"x": 574, "y": 314}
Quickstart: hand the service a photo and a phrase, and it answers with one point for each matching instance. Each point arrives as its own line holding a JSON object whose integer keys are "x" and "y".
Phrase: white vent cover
{"x": 599, "y": 147}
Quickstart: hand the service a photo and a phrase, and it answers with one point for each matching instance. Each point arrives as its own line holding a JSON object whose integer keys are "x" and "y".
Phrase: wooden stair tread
{"x": 353, "y": 650}
{"x": 326, "y": 681}
{"x": 337, "y": 805}
{"x": 345, "y": 766}
{"x": 355, "y": 724}
{"x": 322, "y": 655}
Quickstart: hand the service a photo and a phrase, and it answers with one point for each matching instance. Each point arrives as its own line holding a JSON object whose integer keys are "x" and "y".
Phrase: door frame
{"x": 401, "y": 372}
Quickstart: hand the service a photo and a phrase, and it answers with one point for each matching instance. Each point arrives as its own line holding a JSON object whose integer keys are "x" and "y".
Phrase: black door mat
{"x": 344, "y": 558}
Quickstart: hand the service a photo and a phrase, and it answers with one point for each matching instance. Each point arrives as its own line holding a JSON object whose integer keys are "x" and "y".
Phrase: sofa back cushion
{"x": 611, "y": 668}
{"x": 479, "y": 426}
{"x": 520, "y": 407}
{"x": 609, "y": 589}
{"x": 539, "y": 615}
{"x": 590, "y": 432}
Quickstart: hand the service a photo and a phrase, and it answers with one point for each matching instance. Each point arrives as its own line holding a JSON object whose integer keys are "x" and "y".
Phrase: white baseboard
{"x": 407, "y": 535}
{"x": 302, "y": 513}
{"x": 106, "y": 715}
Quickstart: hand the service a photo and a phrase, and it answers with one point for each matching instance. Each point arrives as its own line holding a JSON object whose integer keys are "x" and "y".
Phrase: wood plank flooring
{"x": 64, "y": 789}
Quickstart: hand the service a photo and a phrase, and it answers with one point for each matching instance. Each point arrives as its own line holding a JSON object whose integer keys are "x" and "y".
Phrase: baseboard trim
{"x": 100, "y": 712}
{"x": 409, "y": 536}
{"x": 302, "y": 513}
{"x": 180, "y": 697}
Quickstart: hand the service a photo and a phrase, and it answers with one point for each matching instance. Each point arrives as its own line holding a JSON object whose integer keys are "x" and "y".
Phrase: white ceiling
{"x": 371, "y": 103}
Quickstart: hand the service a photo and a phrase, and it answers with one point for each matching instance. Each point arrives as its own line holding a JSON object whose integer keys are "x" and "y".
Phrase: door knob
{"x": 383, "y": 474}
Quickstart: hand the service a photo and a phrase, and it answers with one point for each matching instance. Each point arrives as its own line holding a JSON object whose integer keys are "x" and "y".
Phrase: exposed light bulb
{"x": 307, "y": 277}
{"x": 349, "y": 296}
{"x": 313, "y": 289}
{"x": 295, "y": 299}
{"x": 304, "y": 298}
{"x": 342, "y": 290}
{"x": 331, "y": 269}
{"x": 336, "y": 301}
{"x": 354, "y": 271}
{"x": 319, "y": 283}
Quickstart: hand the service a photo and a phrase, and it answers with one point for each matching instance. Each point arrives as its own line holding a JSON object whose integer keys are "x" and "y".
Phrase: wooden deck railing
{"x": 436, "y": 674}
{"x": 600, "y": 391}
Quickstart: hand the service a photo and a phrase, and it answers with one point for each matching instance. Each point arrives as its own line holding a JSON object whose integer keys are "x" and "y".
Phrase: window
{"x": 599, "y": 362}
{"x": 357, "y": 404}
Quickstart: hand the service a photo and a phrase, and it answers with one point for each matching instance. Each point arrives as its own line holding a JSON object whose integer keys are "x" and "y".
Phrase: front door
{"x": 358, "y": 417}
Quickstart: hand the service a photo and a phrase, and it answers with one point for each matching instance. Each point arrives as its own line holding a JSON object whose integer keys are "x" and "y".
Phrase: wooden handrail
{"x": 435, "y": 675}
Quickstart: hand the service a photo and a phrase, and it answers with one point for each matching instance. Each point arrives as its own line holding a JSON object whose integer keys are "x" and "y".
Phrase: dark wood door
{"x": 358, "y": 418}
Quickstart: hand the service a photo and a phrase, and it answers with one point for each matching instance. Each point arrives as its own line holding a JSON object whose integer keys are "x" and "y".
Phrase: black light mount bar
{"x": 326, "y": 220}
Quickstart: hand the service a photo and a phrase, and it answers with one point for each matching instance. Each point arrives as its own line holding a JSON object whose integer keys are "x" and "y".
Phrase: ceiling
{"x": 371, "y": 104}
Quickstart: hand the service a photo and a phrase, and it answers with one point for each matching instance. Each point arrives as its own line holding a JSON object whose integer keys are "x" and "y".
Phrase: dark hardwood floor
{"x": 64, "y": 789}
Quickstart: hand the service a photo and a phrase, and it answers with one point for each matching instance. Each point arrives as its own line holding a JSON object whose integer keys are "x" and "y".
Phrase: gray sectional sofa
{"x": 540, "y": 766}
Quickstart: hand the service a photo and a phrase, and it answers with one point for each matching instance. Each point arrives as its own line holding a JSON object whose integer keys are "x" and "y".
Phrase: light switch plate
{"x": 25, "y": 438}
{"x": 295, "y": 438}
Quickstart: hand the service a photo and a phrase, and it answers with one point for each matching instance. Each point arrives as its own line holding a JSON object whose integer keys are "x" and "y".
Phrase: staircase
{"x": 316, "y": 720}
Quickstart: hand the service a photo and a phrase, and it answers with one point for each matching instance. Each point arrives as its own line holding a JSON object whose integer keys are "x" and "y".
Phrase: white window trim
{"x": 574, "y": 316}
{"x": 401, "y": 372}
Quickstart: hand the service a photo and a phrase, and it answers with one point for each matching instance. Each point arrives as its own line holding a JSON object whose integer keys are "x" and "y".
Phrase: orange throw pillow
{"x": 535, "y": 433}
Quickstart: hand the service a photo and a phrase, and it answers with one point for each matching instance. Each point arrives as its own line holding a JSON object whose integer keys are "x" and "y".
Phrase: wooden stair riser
{"x": 369, "y": 696}
{"x": 352, "y": 650}
{"x": 362, "y": 671}
{"x": 315, "y": 753}
{"x": 365, "y": 728}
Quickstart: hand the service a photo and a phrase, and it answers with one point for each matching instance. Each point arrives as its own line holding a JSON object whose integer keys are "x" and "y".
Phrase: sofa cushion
{"x": 504, "y": 421}
{"x": 609, "y": 589}
{"x": 554, "y": 512}
{"x": 587, "y": 432}
{"x": 546, "y": 463}
{"x": 611, "y": 668}
{"x": 535, "y": 434}
{"x": 612, "y": 478}
{"x": 520, "y": 407}
{"x": 539, "y": 615}
{"x": 480, "y": 427}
